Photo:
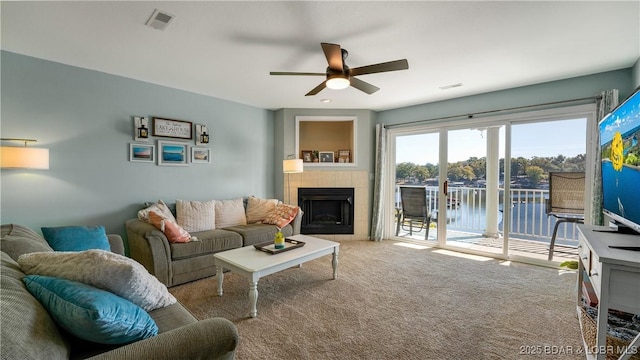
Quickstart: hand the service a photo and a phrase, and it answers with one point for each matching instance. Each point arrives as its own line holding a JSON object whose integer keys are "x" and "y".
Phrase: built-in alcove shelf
{"x": 318, "y": 136}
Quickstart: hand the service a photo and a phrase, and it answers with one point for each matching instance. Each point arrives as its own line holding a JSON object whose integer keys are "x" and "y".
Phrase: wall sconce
{"x": 202, "y": 135}
{"x": 13, "y": 157}
{"x": 141, "y": 128}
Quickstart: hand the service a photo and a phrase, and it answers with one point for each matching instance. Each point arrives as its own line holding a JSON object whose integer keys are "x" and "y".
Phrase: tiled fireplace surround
{"x": 335, "y": 178}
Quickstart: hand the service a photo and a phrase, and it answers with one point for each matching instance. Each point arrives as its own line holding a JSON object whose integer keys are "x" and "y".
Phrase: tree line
{"x": 532, "y": 170}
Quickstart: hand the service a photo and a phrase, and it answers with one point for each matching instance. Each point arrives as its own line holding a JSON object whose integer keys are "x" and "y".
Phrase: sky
{"x": 566, "y": 137}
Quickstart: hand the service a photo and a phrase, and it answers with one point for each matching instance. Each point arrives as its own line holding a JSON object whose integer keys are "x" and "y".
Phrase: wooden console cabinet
{"x": 615, "y": 277}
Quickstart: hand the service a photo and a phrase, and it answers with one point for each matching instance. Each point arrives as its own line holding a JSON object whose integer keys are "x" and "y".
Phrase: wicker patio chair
{"x": 413, "y": 210}
{"x": 566, "y": 200}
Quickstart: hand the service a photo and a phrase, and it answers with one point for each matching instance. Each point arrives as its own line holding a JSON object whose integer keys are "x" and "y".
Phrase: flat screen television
{"x": 620, "y": 150}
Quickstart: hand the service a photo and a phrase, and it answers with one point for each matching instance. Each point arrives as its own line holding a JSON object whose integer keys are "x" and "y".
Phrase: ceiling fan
{"x": 340, "y": 76}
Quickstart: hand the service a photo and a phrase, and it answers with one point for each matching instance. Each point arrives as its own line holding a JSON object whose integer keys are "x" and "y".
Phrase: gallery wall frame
{"x": 171, "y": 128}
{"x": 142, "y": 152}
{"x": 200, "y": 155}
{"x": 173, "y": 153}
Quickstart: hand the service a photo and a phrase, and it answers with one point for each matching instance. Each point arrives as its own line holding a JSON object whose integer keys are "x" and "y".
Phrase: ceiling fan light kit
{"x": 340, "y": 76}
{"x": 338, "y": 82}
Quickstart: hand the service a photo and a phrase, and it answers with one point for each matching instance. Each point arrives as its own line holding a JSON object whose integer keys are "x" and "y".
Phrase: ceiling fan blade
{"x": 333, "y": 53}
{"x": 317, "y": 89}
{"x": 382, "y": 67}
{"x": 296, "y": 73}
{"x": 363, "y": 85}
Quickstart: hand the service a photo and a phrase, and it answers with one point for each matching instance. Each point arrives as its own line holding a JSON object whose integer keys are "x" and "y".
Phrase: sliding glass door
{"x": 486, "y": 181}
{"x": 416, "y": 159}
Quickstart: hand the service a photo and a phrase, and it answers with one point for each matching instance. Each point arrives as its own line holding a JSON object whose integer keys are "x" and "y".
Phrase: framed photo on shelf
{"x": 307, "y": 156}
{"x": 326, "y": 156}
{"x": 141, "y": 152}
{"x": 344, "y": 156}
{"x": 172, "y": 153}
{"x": 169, "y": 128}
{"x": 200, "y": 155}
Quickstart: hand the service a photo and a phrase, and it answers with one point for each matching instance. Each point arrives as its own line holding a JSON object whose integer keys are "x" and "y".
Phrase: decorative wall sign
{"x": 202, "y": 134}
{"x": 200, "y": 155}
{"x": 178, "y": 129}
{"x": 173, "y": 153}
{"x": 141, "y": 152}
{"x": 140, "y": 128}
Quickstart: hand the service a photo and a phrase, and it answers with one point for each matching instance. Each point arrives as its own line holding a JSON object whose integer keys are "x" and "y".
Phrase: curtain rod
{"x": 471, "y": 115}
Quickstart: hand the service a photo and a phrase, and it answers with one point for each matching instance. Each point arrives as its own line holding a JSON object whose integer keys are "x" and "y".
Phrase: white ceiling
{"x": 227, "y": 49}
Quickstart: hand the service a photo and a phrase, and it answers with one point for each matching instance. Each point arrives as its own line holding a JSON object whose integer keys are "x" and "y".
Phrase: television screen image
{"x": 620, "y": 150}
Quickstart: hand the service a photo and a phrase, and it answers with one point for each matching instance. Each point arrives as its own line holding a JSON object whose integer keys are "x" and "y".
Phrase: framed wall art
{"x": 178, "y": 129}
{"x": 141, "y": 152}
{"x": 200, "y": 155}
{"x": 326, "y": 156}
{"x": 173, "y": 153}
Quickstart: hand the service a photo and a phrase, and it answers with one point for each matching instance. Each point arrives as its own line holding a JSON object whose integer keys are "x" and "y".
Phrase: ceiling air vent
{"x": 160, "y": 19}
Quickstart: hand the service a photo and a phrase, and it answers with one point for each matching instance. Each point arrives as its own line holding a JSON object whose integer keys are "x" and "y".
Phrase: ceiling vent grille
{"x": 160, "y": 19}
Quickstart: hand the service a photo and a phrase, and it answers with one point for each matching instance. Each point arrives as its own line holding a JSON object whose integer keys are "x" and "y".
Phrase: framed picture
{"x": 344, "y": 156}
{"x": 200, "y": 155}
{"x": 178, "y": 129}
{"x": 307, "y": 156}
{"x": 140, "y": 128}
{"x": 326, "y": 156}
{"x": 172, "y": 153}
{"x": 141, "y": 152}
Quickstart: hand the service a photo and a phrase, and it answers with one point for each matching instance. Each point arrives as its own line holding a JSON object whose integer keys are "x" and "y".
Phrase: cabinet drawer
{"x": 595, "y": 273}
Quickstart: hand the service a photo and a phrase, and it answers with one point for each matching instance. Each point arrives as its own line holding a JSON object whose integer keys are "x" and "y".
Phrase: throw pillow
{"x": 196, "y": 215}
{"x": 174, "y": 232}
{"x": 76, "y": 238}
{"x": 89, "y": 313}
{"x": 160, "y": 208}
{"x": 257, "y": 209}
{"x": 17, "y": 240}
{"x": 281, "y": 215}
{"x": 230, "y": 213}
{"x": 103, "y": 269}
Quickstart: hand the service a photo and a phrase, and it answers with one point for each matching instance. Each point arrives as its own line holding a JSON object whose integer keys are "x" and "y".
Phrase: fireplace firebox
{"x": 326, "y": 210}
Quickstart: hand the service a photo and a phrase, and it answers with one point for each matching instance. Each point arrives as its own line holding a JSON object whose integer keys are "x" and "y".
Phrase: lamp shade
{"x": 292, "y": 166}
{"x": 24, "y": 158}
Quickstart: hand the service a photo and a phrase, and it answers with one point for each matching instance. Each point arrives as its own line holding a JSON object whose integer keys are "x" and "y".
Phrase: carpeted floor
{"x": 397, "y": 302}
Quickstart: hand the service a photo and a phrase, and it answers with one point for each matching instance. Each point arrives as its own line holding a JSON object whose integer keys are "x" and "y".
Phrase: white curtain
{"x": 377, "y": 227}
{"x": 607, "y": 102}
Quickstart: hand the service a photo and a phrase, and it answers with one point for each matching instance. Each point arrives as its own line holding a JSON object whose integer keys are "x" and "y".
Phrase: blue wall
{"x": 85, "y": 119}
{"x": 574, "y": 88}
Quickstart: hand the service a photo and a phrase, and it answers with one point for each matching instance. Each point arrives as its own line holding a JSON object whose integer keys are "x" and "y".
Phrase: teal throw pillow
{"x": 76, "y": 238}
{"x": 90, "y": 313}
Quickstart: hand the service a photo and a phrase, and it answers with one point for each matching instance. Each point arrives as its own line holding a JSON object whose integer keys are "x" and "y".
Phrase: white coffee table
{"x": 254, "y": 264}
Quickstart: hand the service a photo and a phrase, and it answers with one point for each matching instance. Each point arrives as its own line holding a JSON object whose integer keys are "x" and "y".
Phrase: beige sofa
{"x": 29, "y": 332}
{"x": 177, "y": 263}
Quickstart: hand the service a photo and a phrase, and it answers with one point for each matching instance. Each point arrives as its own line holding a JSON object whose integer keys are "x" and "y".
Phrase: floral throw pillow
{"x": 281, "y": 215}
{"x": 257, "y": 208}
{"x": 174, "y": 232}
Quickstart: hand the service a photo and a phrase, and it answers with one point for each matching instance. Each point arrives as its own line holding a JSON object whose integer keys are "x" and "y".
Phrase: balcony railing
{"x": 466, "y": 211}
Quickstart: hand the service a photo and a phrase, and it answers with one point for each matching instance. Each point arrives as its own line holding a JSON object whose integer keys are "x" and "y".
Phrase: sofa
{"x": 227, "y": 224}
{"x": 30, "y": 332}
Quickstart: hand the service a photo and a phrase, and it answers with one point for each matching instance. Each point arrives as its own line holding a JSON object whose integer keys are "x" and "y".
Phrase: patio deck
{"x": 534, "y": 249}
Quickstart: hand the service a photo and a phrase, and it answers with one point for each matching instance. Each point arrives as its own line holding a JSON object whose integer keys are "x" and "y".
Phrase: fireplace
{"x": 326, "y": 210}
